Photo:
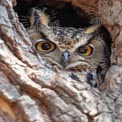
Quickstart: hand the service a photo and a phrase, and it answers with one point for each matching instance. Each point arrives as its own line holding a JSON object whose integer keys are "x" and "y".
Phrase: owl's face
{"x": 82, "y": 53}
{"x": 71, "y": 49}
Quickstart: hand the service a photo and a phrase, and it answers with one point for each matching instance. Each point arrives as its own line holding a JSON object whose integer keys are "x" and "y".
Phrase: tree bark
{"x": 32, "y": 93}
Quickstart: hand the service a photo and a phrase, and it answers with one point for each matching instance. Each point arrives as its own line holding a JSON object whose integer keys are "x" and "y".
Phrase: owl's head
{"x": 72, "y": 49}
{"x": 77, "y": 51}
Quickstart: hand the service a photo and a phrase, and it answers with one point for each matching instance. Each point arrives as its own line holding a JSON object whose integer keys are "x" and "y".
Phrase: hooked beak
{"x": 65, "y": 56}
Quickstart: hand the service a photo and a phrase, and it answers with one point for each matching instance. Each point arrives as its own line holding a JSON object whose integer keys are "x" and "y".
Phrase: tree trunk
{"x": 30, "y": 93}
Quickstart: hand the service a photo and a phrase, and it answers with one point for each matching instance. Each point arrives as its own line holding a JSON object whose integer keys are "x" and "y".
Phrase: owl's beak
{"x": 65, "y": 56}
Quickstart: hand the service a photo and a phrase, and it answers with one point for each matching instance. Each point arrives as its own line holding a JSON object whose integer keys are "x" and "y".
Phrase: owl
{"x": 78, "y": 51}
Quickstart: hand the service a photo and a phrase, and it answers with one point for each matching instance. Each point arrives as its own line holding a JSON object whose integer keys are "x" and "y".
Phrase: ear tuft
{"x": 44, "y": 18}
{"x": 40, "y": 15}
{"x": 92, "y": 29}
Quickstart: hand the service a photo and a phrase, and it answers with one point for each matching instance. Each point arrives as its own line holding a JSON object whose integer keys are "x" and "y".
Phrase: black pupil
{"x": 82, "y": 49}
{"x": 46, "y": 46}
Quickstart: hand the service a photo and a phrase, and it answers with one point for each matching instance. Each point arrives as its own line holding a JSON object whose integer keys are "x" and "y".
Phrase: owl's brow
{"x": 44, "y": 36}
{"x": 94, "y": 35}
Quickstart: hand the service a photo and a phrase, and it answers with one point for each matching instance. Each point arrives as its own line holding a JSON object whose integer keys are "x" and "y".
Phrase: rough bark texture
{"x": 30, "y": 93}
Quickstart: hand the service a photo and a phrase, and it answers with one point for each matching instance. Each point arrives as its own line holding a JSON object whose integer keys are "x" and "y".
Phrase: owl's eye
{"x": 45, "y": 46}
{"x": 85, "y": 50}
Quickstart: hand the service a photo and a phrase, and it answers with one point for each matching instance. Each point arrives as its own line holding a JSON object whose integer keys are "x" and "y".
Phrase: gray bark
{"x": 30, "y": 92}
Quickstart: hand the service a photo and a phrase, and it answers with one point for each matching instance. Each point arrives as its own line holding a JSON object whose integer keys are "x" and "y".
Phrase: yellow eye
{"x": 86, "y": 50}
{"x": 45, "y": 46}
